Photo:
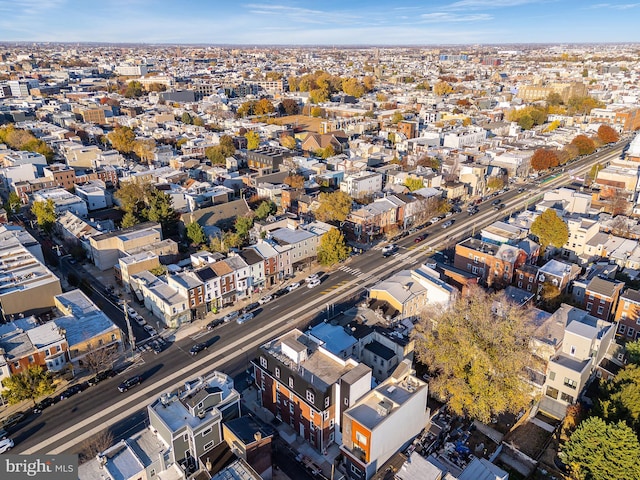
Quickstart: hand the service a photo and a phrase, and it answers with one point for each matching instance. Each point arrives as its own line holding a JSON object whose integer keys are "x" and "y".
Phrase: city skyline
{"x": 306, "y": 23}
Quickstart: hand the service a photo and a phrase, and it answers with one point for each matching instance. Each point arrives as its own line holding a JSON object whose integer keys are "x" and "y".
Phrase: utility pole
{"x": 132, "y": 339}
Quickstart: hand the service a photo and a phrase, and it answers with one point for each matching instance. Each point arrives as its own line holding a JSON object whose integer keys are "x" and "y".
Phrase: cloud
{"x": 615, "y": 6}
{"x": 454, "y": 17}
{"x": 481, "y": 4}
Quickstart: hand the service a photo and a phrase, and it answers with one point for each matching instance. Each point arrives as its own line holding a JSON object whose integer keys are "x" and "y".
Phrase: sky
{"x": 328, "y": 22}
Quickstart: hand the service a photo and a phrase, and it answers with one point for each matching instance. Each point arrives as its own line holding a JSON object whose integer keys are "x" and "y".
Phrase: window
{"x": 277, "y": 372}
{"x": 185, "y": 437}
{"x": 361, "y": 439}
{"x": 263, "y": 362}
{"x": 311, "y": 397}
{"x": 600, "y": 310}
{"x": 630, "y": 332}
{"x": 521, "y": 276}
{"x": 291, "y": 382}
{"x": 355, "y": 470}
{"x": 530, "y": 279}
{"x": 31, "y": 359}
{"x": 621, "y": 328}
{"x": 346, "y": 402}
{"x": 602, "y": 300}
{"x": 552, "y": 392}
{"x": 332, "y": 423}
{"x": 589, "y": 306}
{"x": 206, "y": 431}
{"x": 566, "y": 398}
{"x": 208, "y": 446}
{"x": 552, "y": 376}
{"x": 626, "y": 305}
{"x": 591, "y": 297}
{"x": 152, "y": 472}
{"x": 573, "y": 350}
{"x": 327, "y": 401}
{"x": 291, "y": 408}
{"x": 277, "y": 397}
{"x": 311, "y": 416}
{"x": 570, "y": 383}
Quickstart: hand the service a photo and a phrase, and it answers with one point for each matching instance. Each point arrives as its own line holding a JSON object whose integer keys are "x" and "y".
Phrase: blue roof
{"x": 336, "y": 339}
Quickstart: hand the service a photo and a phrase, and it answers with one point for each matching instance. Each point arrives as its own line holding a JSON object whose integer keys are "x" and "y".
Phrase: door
{"x": 301, "y": 430}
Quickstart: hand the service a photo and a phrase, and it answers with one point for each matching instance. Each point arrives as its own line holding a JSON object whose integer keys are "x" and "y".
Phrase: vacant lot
{"x": 302, "y": 122}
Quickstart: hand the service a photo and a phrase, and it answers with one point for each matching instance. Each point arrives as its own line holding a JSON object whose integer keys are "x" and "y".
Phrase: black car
{"x": 44, "y": 403}
{"x": 473, "y": 211}
{"x": 156, "y": 347}
{"x": 215, "y": 323}
{"x": 279, "y": 293}
{"x": 99, "y": 377}
{"x": 497, "y": 201}
{"x": 71, "y": 391}
{"x": 251, "y": 306}
{"x": 13, "y": 420}
{"x": 129, "y": 383}
{"x": 500, "y": 206}
{"x": 197, "y": 348}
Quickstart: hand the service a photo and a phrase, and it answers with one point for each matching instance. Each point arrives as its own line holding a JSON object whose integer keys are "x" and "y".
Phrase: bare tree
{"x": 94, "y": 445}
{"x": 100, "y": 358}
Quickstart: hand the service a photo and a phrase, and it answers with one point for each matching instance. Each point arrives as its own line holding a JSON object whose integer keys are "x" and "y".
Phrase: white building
{"x": 64, "y": 201}
{"x": 362, "y": 184}
{"x": 94, "y": 194}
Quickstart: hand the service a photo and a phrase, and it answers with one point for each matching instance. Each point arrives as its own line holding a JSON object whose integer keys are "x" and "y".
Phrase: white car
{"x": 230, "y": 316}
{"x": 265, "y": 299}
{"x": 244, "y": 318}
{"x": 312, "y": 277}
{"x": 6, "y": 445}
{"x": 313, "y": 283}
{"x": 140, "y": 321}
{"x": 293, "y": 286}
{"x": 150, "y": 330}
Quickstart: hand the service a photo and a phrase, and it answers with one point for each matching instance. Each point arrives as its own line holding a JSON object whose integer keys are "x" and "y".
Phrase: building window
{"x": 552, "y": 392}
{"x": 552, "y": 376}
{"x": 291, "y": 382}
{"x": 152, "y": 473}
{"x": 570, "y": 383}
{"x": 263, "y": 362}
{"x": 277, "y": 372}
{"x": 355, "y": 470}
{"x": 311, "y": 397}
{"x": 185, "y": 437}
{"x": 589, "y": 305}
{"x": 208, "y": 446}
{"x": 530, "y": 279}
{"x": 327, "y": 401}
{"x": 521, "y": 276}
{"x": 591, "y": 297}
{"x": 600, "y": 310}
{"x": 566, "y": 398}
{"x": 630, "y": 332}
{"x": 621, "y": 328}
{"x": 346, "y": 402}
{"x": 332, "y": 423}
{"x": 291, "y": 408}
{"x": 573, "y": 350}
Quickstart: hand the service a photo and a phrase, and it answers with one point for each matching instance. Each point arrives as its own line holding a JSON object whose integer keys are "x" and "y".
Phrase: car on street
{"x": 197, "y": 348}
{"x": 71, "y": 391}
{"x": 244, "y": 318}
{"x": 500, "y": 206}
{"x": 497, "y": 201}
{"x": 13, "y": 420}
{"x": 473, "y": 211}
{"x": 293, "y": 286}
{"x": 215, "y": 323}
{"x": 448, "y": 214}
{"x": 419, "y": 238}
{"x": 389, "y": 250}
{"x": 150, "y": 330}
{"x": 99, "y": 377}
{"x": 435, "y": 220}
{"x": 44, "y": 403}
{"x": 129, "y": 383}
{"x": 249, "y": 307}
{"x": 265, "y": 299}
{"x": 156, "y": 347}
{"x": 139, "y": 320}
{"x": 447, "y": 224}
{"x": 230, "y": 316}
{"x": 6, "y": 445}
{"x": 521, "y": 189}
{"x": 313, "y": 283}
{"x": 3, "y": 434}
{"x": 312, "y": 277}
{"x": 281, "y": 292}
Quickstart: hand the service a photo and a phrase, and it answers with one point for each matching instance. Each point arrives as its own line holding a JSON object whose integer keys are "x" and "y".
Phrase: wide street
{"x": 61, "y": 427}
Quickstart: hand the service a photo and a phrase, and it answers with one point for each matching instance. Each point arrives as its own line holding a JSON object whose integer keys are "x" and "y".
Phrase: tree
{"x": 544, "y": 159}
{"x": 265, "y": 209}
{"x": 129, "y": 220}
{"x": 351, "y": 86}
{"x": 294, "y": 181}
{"x": 13, "y": 203}
{"x": 369, "y": 83}
{"x": 289, "y": 106}
{"x": 397, "y": 118}
{"x": 550, "y": 229}
{"x": 160, "y": 209}
{"x": 526, "y": 122}
{"x": 186, "y": 118}
{"x": 195, "y": 233}
{"x": 243, "y": 225}
{"x": 585, "y": 144}
{"x": 287, "y": 141}
{"x": 319, "y": 95}
{"x": 479, "y": 354}
{"x": 582, "y": 105}
{"x": 253, "y": 140}
{"x": 413, "y": 184}
{"x": 263, "y": 107}
{"x": 99, "y": 358}
{"x": 429, "y": 162}
{"x": 122, "y": 138}
{"x": 333, "y": 207}
{"x": 31, "y": 384}
{"x": 598, "y": 450}
{"x": 45, "y": 213}
{"x": 131, "y": 197}
{"x": 633, "y": 352}
{"x": 246, "y": 109}
{"x": 134, "y": 89}
{"x": 156, "y": 87}
{"x": 619, "y": 398}
{"x": 442, "y": 88}
{"x": 197, "y": 121}
{"x": 326, "y": 152}
{"x": 145, "y": 149}
{"x": 317, "y": 112}
{"x": 94, "y": 445}
{"x": 495, "y": 183}
{"x": 332, "y": 248}
{"x": 554, "y": 98}
{"x": 606, "y": 134}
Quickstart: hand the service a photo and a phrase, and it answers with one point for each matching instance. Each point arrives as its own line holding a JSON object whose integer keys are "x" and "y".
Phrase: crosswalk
{"x": 356, "y": 272}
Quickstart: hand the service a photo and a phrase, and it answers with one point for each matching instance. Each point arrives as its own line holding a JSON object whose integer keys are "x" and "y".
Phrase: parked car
{"x": 230, "y": 316}
{"x": 71, "y": 391}
{"x": 215, "y": 323}
{"x": 419, "y": 238}
{"x": 500, "y": 206}
{"x": 6, "y": 445}
{"x": 448, "y": 214}
{"x": 447, "y": 224}
{"x": 13, "y": 420}
{"x": 312, "y": 277}
{"x": 435, "y": 220}
{"x": 497, "y": 201}
{"x": 140, "y": 321}
{"x": 265, "y": 299}
{"x": 251, "y": 306}
{"x": 389, "y": 250}
{"x": 313, "y": 283}
{"x": 99, "y": 377}
{"x": 197, "y": 348}
{"x": 3, "y": 434}
{"x": 150, "y": 330}
{"x": 156, "y": 347}
{"x": 244, "y": 318}
{"x": 129, "y": 383}
{"x": 281, "y": 292}
{"x": 293, "y": 286}
{"x": 473, "y": 211}
{"x": 44, "y": 403}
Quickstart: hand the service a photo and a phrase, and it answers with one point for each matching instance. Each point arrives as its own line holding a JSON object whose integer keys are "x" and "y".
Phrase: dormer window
{"x": 263, "y": 362}
{"x": 311, "y": 397}
{"x": 291, "y": 382}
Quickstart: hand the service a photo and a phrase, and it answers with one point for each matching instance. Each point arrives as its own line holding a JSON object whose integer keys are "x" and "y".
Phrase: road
{"x": 63, "y": 426}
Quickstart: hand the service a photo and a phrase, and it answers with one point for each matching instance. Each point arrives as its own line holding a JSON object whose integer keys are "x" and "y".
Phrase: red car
{"x": 419, "y": 238}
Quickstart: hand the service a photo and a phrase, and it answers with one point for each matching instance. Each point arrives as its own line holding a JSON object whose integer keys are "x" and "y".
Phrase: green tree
{"x": 195, "y": 233}
{"x": 129, "y": 220}
{"x": 122, "y": 138}
{"x": 479, "y": 354}
{"x": 606, "y": 134}
{"x": 131, "y": 197}
{"x": 33, "y": 383}
{"x": 619, "y": 398}
{"x": 397, "y": 118}
{"x": 633, "y": 352}
{"x": 319, "y": 95}
{"x": 253, "y": 140}
{"x": 598, "y": 450}
{"x": 243, "y": 225}
{"x": 45, "y": 213}
{"x": 317, "y": 112}
{"x": 134, "y": 89}
{"x": 550, "y": 229}
{"x": 231, "y": 240}
{"x": 332, "y": 248}
{"x": 160, "y": 209}
{"x": 326, "y": 152}
{"x": 13, "y": 203}
{"x": 495, "y": 183}
{"x": 265, "y": 209}
{"x": 413, "y": 183}
{"x": 333, "y": 207}
{"x": 197, "y": 121}
{"x": 186, "y": 118}
{"x": 526, "y": 122}
{"x": 246, "y": 109}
